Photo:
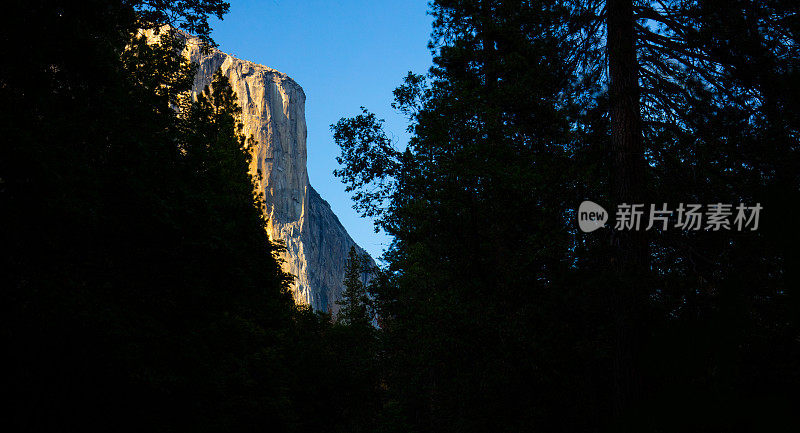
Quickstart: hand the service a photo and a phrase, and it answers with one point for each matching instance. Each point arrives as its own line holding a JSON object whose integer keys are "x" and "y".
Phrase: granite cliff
{"x": 273, "y": 111}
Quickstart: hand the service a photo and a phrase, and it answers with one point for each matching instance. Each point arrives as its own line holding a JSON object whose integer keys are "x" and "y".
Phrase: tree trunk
{"x": 626, "y": 124}
{"x": 631, "y": 258}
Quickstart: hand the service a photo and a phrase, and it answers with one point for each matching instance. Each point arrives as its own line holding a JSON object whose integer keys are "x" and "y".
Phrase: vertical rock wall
{"x": 273, "y": 111}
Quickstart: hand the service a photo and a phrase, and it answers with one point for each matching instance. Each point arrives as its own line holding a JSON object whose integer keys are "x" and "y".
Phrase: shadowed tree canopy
{"x": 495, "y": 309}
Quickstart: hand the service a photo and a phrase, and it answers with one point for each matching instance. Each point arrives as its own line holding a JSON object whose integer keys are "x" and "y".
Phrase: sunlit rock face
{"x": 273, "y": 111}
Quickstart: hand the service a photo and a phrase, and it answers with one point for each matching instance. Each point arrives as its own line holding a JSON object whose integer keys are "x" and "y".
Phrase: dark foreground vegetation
{"x": 140, "y": 291}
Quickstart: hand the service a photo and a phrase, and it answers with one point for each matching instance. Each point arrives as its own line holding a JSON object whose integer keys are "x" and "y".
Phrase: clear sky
{"x": 344, "y": 54}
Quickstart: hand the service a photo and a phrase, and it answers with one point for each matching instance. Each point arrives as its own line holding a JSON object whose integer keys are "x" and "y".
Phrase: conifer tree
{"x": 355, "y": 304}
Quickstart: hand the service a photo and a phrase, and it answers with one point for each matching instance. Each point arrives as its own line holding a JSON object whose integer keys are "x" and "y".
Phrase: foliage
{"x": 355, "y": 303}
{"x": 496, "y": 314}
{"x": 140, "y": 289}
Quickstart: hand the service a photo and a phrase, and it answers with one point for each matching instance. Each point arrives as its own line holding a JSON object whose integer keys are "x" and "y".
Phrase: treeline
{"x": 140, "y": 291}
{"x": 495, "y": 312}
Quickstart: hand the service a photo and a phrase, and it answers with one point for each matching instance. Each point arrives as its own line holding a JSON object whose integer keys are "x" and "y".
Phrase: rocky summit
{"x": 273, "y": 112}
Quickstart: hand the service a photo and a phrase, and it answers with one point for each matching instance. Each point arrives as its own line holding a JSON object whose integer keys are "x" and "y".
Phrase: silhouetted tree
{"x": 141, "y": 291}
{"x": 355, "y": 303}
{"x": 497, "y": 315}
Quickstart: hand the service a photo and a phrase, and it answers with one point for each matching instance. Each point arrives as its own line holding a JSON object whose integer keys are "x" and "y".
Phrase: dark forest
{"x": 140, "y": 291}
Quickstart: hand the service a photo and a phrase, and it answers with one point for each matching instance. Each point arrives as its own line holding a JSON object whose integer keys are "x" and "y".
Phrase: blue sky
{"x": 344, "y": 54}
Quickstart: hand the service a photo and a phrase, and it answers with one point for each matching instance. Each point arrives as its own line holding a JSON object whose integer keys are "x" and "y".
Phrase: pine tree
{"x": 484, "y": 166}
{"x": 355, "y": 305}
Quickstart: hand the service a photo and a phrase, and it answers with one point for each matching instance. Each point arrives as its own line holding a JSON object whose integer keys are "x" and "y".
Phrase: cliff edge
{"x": 273, "y": 111}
